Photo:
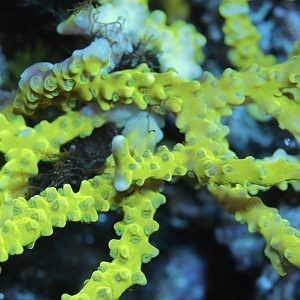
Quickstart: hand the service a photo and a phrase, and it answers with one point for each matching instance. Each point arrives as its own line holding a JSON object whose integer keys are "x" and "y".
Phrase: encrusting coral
{"x": 138, "y": 100}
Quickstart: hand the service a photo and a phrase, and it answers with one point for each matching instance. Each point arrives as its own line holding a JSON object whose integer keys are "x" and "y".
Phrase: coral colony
{"x": 110, "y": 81}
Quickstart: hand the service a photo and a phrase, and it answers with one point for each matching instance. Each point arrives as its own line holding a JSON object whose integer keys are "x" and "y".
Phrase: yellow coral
{"x": 137, "y": 101}
{"x": 242, "y": 35}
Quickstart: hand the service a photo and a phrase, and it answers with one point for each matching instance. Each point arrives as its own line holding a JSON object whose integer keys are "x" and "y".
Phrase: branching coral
{"x": 137, "y": 101}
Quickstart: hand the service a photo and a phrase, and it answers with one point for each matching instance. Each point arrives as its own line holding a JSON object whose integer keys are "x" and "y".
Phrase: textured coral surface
{"x": 130, "y": 105}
